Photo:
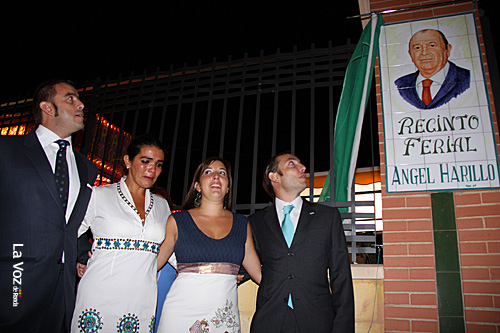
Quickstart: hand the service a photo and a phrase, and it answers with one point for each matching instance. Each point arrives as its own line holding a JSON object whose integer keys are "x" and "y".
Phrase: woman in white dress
{"x": 117, "y": 293}
{"x": 210, "y": 243}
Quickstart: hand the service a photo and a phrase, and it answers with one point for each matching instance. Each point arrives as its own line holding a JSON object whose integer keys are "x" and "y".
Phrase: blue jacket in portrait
{"x": 456, "y": 82}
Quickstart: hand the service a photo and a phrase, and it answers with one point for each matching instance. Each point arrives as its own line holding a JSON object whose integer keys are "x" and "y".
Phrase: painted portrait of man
{"x": 437, "y": 80}
{"x": 432, "y": 79}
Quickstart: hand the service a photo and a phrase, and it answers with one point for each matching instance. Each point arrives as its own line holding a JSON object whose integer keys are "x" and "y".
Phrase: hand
{"x": 239, "y": 278}
{"x": 80, "y": 269}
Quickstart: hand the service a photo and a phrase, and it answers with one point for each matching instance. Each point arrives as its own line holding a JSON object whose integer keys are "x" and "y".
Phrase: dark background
{"x": 83, "y": 41}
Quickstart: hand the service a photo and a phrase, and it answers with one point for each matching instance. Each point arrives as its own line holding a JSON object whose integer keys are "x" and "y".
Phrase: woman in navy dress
{"x": 210, "y": 244}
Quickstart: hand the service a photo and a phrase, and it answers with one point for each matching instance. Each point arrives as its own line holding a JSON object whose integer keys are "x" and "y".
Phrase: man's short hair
{"x": 45, "y": 92}
{"x": 272, "y": 166}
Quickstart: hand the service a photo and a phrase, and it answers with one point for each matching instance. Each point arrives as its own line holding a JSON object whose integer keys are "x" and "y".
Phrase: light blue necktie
{"x": 288, "y": 232}
{"x": 287, "y": 225}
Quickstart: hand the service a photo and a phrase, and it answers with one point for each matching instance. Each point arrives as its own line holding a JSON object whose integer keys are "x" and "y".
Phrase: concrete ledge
{"x": 367, "y": 272}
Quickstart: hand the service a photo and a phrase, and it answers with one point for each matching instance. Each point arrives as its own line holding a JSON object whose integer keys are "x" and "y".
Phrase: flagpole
{"x": 350, "y": 114}
{"x": 362, "y": 107}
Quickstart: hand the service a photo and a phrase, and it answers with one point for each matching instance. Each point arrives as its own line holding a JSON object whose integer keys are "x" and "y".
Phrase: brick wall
{"x": 409, "y": 269}
{"x": 411, "y": 295}
{"x": 478, "y": 224}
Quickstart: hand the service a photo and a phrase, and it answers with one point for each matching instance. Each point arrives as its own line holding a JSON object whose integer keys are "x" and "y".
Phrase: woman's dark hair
{"x": 191, "y": 195}
{"x": 145, "y": 140}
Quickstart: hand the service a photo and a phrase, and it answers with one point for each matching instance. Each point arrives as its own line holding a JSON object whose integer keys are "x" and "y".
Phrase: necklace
{"x": 132, "y": 206}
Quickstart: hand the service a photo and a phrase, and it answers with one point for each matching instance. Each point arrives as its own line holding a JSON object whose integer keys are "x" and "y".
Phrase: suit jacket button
{"x": 291, "y": 276}
{"x": 291, "y": 254}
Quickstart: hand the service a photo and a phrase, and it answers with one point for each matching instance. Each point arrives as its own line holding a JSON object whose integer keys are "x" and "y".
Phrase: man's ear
{"x": 47, "y": 108}
{"x": 274, "y": 177}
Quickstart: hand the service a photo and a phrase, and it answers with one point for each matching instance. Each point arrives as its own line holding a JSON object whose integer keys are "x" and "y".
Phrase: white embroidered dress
{"x": 117, "y": 293}
{"x": 203, "y": 297}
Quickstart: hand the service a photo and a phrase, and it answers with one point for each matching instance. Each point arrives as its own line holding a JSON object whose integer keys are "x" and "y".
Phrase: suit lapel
{"x": 35, "y": 153}
{"x": 271, "y": 219}
{"x": 408, "y": 90}
{"x": 306, "y": 215}
{"x": 83, "y": 175}
{"x": 448, "y": 84}
{"x": 413, "y": 95}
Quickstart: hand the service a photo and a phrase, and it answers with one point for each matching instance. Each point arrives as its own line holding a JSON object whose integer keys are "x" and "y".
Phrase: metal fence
{"x": 243, "y": 110}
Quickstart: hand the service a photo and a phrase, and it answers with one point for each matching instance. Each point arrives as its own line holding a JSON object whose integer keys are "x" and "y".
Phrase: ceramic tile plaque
{"x": 436, "y": 114}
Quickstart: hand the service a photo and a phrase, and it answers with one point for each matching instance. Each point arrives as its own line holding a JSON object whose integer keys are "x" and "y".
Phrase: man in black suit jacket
{"x": 429, "y": 50}
{"x": 296, "y": 276}
{"x": 38, "y": 235}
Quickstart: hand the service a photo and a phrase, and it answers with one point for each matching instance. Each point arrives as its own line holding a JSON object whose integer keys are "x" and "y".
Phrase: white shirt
{"x": 47, "y": 139}
{"x": 437, "y": 81}
{"x": 294, "y": 214}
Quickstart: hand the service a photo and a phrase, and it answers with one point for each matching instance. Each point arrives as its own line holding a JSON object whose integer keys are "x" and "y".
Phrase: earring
{"x": 197, "y": 199}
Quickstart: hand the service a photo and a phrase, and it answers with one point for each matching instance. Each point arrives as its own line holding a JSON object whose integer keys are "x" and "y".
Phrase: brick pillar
{"x": 435, "y": 241}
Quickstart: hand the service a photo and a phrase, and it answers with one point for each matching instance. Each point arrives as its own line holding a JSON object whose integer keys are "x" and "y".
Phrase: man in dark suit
{"x": 295, "y": 294}
{"x": 38, "y": 226}
{"x": 437, "y": 80}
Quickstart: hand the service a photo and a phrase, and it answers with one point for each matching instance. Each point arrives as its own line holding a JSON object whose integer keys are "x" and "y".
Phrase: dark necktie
{"x": 426, "y": 93}
{"x": 61, "y": 173}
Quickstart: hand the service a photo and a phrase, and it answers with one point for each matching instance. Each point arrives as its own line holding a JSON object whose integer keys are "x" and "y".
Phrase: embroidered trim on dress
{"x": 90, "y": 321}
{"x": 102, "y": 243}
{"x": 128, "y": 323}
{"x": 209, "y": 268}
{"x": 118, "y": 187}
{"x": 152, "y": 324}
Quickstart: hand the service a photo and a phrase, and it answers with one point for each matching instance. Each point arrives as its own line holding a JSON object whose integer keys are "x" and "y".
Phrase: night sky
{"x": 84, "y": 41}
